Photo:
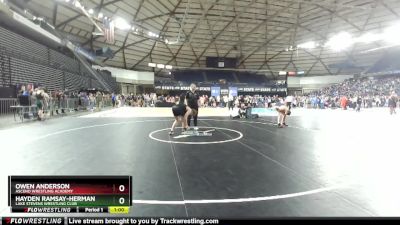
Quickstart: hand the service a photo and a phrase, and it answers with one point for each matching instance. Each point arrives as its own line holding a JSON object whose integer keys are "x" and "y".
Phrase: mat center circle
{"x": 228, "y": 135}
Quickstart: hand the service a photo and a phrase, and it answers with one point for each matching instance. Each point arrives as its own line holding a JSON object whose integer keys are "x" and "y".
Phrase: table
{"x": 21, "y": 110}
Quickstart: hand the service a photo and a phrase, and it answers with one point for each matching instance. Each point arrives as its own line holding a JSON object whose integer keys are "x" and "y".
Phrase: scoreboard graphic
{"x": 70, "y": 194}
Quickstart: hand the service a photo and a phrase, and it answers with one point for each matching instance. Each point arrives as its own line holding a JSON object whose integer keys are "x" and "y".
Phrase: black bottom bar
{"x": 33, "y": 220}
{"x": 44, "y": 209}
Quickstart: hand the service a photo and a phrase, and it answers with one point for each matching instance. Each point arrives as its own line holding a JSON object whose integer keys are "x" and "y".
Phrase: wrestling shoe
{"x": 285, "y": 125}
{"x": 171, "y": 132}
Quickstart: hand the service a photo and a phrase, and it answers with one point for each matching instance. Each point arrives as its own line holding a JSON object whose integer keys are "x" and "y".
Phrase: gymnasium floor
{"x": 326, "y": 163}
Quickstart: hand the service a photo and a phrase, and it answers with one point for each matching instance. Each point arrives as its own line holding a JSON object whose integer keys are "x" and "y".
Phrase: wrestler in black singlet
{"x": 179, "y": 110}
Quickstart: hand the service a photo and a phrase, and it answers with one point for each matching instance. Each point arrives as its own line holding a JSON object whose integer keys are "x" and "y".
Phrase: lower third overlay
{"x": 103, "y": 220}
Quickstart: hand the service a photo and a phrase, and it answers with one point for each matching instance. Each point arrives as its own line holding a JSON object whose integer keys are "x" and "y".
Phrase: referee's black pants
{"x": 194, "y": 117}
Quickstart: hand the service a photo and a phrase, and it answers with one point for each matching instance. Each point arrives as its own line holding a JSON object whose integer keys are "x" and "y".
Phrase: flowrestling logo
{"x": 33, "y": 220}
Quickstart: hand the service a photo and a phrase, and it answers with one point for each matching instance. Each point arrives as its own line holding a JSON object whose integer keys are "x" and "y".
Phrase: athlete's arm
{"x": 186, "y": 98}
{"x": 198, "y": 100}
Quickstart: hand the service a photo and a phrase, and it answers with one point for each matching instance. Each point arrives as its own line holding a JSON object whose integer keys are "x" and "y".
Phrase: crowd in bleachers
{"x": 350, "y": 94}
{"x": 140, "y": 100}
{"x": 270, "y": 84}
{"x": 365, "y": 92}
{"x": 353, "y": 93}
{"x": 205, "y": 101}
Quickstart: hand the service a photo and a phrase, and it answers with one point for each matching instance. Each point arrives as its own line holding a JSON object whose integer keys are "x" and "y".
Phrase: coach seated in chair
{"x": 240, "y": 112}
{"x": 243, "y": 111}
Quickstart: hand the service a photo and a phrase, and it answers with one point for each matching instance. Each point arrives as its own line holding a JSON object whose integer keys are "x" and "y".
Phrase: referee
{"x": 192, "y": 100}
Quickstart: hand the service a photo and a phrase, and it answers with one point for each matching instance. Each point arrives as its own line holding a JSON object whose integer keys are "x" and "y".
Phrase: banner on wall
{"x": 233, "y": 91}
{"x": 180, "y": 88}
{"x": 224, "y": 91}
{"x": 215, "y": 91}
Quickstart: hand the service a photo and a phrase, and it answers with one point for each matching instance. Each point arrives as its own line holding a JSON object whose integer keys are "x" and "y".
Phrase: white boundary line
{"x": 266, "y": 122}
{"x": 93, "y": 126}
{"x": 197, "y": 143}
{"x": 209, "y": 131}
{"x": 209, "y": 201}
{"x": 237, "y": 200}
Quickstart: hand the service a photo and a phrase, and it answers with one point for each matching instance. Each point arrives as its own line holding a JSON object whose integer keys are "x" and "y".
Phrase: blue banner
{"x": 215, "y": 91}
{"x": 233, "y": 91}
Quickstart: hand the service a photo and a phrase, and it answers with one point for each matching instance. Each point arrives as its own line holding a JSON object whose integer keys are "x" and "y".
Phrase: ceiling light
{"x": 340, "y": 41}
{"x": 168, "y": 67}
{"x": 151, "y": 34}
{"x": 368, "y": 38}
{"x": 391, "y": 34}
{"x": 100, "y": 15}
{"x": 90, "y": 11}
{"x": 152, "y": 65}
{"x": 308, "y": 45}
{"x": 161, "y": 66}
{"x": 77, "y": 4}
{"x": 67, "y": 0}
{"x": 122, "y": 24}
{"x": 281, "y": 73}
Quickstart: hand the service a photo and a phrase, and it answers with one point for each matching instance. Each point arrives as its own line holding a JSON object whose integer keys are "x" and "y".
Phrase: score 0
{"x": 121, "y": 190}
{"x": 122, "y": 204}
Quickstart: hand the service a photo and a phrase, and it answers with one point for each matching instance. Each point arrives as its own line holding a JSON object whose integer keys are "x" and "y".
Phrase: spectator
{"x": 99, "y": 101}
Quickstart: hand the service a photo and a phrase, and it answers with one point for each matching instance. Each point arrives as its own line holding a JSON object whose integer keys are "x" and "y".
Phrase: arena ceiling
{"x": 256, "y": 32}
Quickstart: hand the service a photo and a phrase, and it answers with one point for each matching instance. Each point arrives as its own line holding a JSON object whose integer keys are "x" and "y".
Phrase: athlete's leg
{"x": 174, "y": 125}
{"x": 186, "y": 118}
{"x": 284, "y": 119}
{"x": 195, "y": 114}
{"x": 279, "y": 119}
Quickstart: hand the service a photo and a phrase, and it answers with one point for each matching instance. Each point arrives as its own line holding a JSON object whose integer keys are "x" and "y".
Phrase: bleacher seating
{"x": 27, "y": 72}
{"x": 20, "y": 44}
{"x": 215, "y": 76}
{"x": 389, "y": 62}
{"x": 106, "y": 75}
{"x": 74, "y": 82}
{"x": 246, "y": 77}
{"x": 188, "y": 76}
{"x": 220, "y": 75}
{"x": 95, "y": 84}
{"x": 66, "y": 62}
{"x": 32, "y": 62}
